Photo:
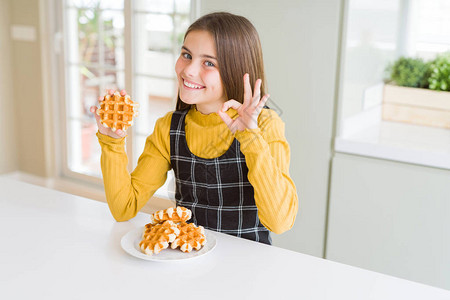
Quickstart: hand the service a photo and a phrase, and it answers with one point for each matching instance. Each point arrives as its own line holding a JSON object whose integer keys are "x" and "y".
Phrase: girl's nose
{"x": 191, "y": 69}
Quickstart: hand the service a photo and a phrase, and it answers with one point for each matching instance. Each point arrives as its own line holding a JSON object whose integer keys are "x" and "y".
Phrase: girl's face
{"x": 198, "y": 75}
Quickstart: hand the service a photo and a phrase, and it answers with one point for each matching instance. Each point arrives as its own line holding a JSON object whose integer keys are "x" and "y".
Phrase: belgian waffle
{"x": 169, "y": 227}
{"x": 190, "y": 237}
{"x": 178, "y": 214}
{"x": 157, "y": 237}
{"x": 117, "y": 111}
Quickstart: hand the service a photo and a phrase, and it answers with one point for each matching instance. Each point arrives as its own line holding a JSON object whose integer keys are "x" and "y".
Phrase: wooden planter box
{"x": 416, "y": 106}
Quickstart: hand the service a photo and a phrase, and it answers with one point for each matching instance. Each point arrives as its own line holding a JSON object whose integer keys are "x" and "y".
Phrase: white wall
{"x": 300, "y": 44}
{"x": 28, "y": 96}
{"x": 8, "y": 147}
{"x": 21, "y": 113}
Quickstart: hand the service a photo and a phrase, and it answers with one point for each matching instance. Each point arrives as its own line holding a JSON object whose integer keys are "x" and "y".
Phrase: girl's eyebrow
{"x": 203, "y": 55}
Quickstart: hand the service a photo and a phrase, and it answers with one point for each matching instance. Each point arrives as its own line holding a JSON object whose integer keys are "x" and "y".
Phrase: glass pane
{"x": 138, "y": 147}
{"x": 154, "y": 32}
{"x": 84, "y": 3}
{"x": 83, "y": 148}
{"x": 91, "y": 42}
{"x": 158, "y": 23}
{"x": 112, "y": 37}
{"x": 88, "y": 36}
{"x": 82, "y": 37}
{"x": 83, "y": 91}
{"x": 156, "y": 97}
{"x": 103, "y": 4}
{"x": 116, "y": 80}
{"x": 156, "y": 6}
{"x": 71, "y": 38}
{"x": 433, "y": 21}
{"x": 182, "y": 6}
{"x": 155, "y": 63}
{"x": 111, "y": 4}
{"x": 85, "y": 85}
{"x": 370, "y": 45}
{"x": 432, "y": 28}
{"x": 182, "y": 23}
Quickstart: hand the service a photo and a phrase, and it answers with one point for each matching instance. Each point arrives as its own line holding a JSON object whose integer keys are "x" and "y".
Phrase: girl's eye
{"x": 209, "y": 64}
{"x": 186, "y": 55}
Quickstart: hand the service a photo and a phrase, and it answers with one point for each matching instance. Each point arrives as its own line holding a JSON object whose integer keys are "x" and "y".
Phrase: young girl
{"x": 228, "y": 150}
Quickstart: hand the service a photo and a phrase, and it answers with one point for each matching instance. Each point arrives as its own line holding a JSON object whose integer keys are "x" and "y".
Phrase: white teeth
{"x": 191, "y": 85}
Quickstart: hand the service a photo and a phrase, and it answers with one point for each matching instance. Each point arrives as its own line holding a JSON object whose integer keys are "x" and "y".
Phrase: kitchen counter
{"x": 60, "y": 246}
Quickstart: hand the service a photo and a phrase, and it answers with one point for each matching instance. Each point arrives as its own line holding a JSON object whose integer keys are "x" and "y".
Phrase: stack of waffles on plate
{"x": 117, "y": 111}
{"x": 169, "y": 227}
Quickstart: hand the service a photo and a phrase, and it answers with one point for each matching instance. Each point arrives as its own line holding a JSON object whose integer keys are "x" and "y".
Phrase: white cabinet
{"x": 390, "y": 217}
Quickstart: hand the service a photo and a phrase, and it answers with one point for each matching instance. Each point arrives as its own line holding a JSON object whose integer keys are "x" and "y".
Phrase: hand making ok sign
{"x": 248, "y": 111}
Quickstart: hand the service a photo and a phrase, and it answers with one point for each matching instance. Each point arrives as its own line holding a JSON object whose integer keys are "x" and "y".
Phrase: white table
{"x": 60, "y": 246}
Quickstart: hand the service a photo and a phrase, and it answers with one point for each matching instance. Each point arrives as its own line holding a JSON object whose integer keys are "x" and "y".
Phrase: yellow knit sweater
{"x": 265, "y": 149}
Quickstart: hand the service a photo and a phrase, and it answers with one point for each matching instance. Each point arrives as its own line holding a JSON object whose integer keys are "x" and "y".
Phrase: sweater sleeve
{"x": 127, "y": 193}
{"x": 267, "y": 155}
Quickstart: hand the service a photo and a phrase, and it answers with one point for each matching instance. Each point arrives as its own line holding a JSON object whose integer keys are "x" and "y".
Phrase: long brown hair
{"x": 238, "y": 52}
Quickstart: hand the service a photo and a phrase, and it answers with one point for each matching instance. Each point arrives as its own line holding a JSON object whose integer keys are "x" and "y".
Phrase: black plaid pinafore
{"x": 216, "y": 190}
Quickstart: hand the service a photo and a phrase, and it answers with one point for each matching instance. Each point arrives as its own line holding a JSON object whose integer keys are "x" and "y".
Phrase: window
{"x": 376, "y": 32}
{"x": 429, "y": 30}
{"x": 117, "y": 44}
{"x": 374, "y": 35}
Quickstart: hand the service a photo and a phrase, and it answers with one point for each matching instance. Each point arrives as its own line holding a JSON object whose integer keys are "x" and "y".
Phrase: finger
{"x": 102, "y": 128}
{"x": 93, "y": 110}
{"x": 226, "y": 118}
{"x": 263, "y": 102}
{"x": 247, "y": 88}
{"x": 115, "y": 134}
{"x": 257, "y": 92}
{"x": 123, "y": 93}
{"x": 231, "y": 104}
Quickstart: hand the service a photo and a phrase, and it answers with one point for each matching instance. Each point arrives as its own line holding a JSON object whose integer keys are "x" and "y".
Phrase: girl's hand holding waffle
{"x": 122, "y": 113}
{"x": 248, "y": 111}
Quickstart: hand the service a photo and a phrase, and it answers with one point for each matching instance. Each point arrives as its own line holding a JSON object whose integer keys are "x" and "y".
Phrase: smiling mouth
{"x": 192, "y": 85}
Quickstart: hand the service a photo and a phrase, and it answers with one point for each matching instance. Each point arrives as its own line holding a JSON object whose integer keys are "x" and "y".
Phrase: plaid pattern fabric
{"x": 216, "y": 190}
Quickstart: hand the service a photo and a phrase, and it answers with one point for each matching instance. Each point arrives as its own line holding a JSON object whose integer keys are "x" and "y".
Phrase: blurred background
{"x": 374, "y": 193}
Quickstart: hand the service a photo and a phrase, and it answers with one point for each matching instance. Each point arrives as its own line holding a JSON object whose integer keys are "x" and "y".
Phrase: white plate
{"x": 130, "y": 243}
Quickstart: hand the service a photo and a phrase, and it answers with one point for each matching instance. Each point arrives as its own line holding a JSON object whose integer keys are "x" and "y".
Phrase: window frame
{"x": 56, "y": 48}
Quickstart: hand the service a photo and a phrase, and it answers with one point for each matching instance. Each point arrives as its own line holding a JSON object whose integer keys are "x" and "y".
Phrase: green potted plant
{"x": 417, "y": 91}
{"x": 439, "y": 78}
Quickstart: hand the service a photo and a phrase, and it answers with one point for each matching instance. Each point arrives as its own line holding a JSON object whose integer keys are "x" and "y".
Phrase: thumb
{"x": 93, "y": 110}
{"x": 100, "y": 126}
